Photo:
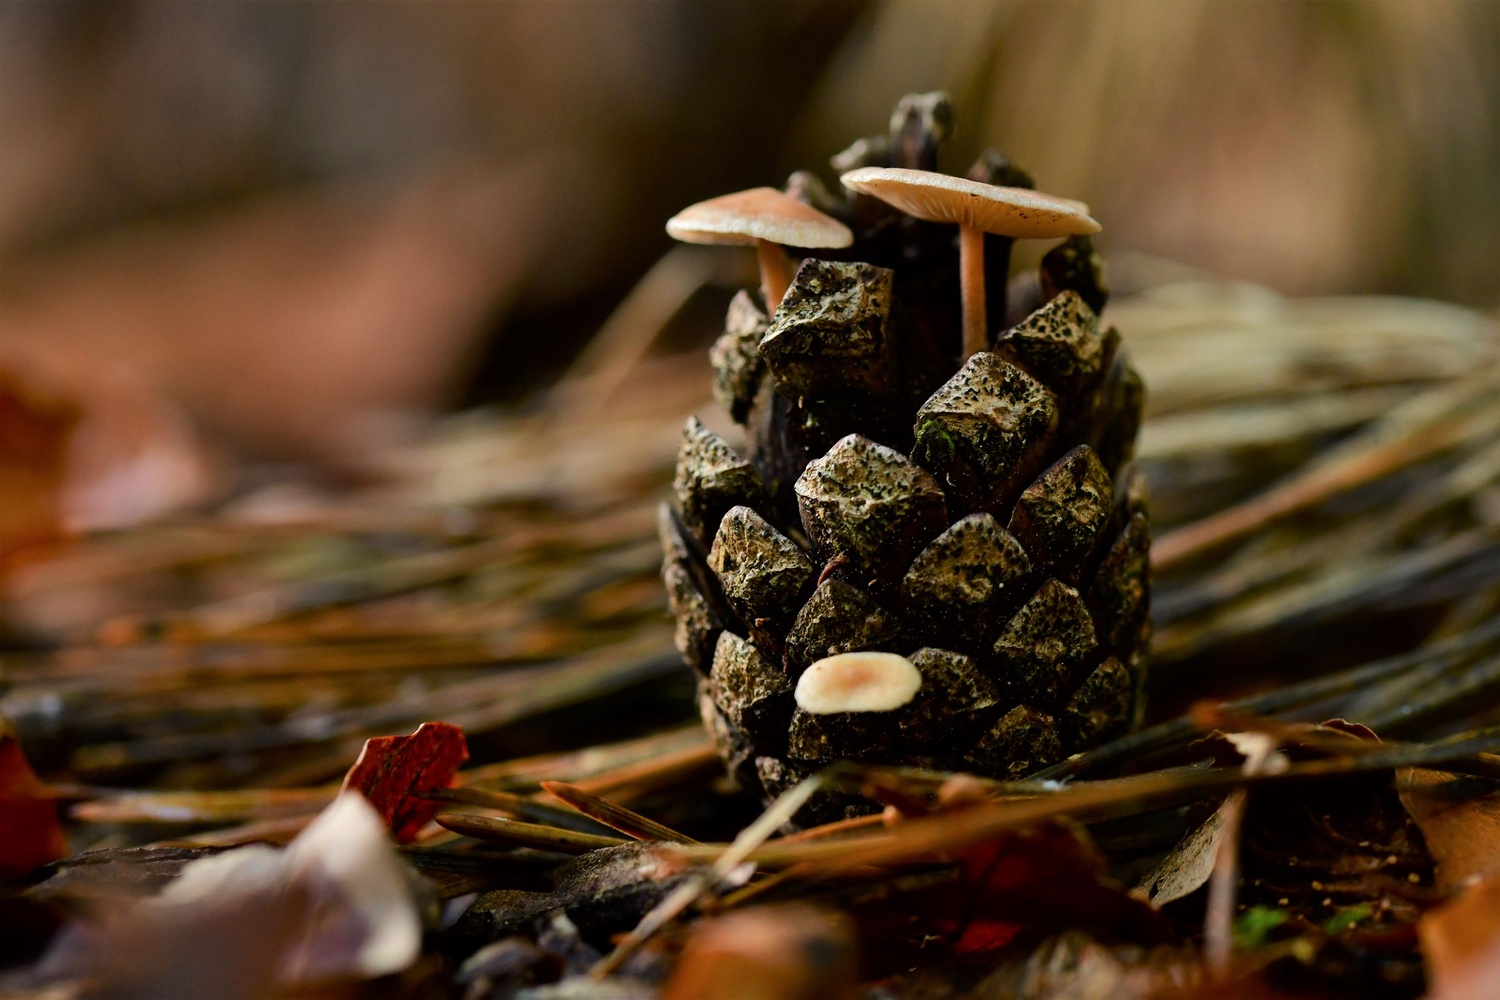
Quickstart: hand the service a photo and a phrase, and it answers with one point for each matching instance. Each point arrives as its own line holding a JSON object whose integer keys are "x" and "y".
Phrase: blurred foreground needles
{"x": 1326, "y": 493}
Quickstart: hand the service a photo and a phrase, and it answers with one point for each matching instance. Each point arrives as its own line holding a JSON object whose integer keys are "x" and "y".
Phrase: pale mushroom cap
{"x": 1006, "y": 211}
{"x": 857, "y": 682}
{"x": 758, "y": 214}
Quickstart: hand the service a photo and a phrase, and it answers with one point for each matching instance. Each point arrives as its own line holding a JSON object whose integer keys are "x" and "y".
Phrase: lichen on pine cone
{"x": 978, "y": 517}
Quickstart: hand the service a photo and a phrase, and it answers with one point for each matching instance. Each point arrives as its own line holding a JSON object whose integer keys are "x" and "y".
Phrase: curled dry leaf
{"x": 30, "y": 834}
{"x": 335, "y": 904}
{"x": 1460, "y": 819}
{"x": 392, "y": 772}
{"x": 1187, "y": 867}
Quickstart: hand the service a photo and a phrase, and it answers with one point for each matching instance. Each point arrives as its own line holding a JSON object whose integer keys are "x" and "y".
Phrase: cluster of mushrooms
{"x": 771, "y": 220}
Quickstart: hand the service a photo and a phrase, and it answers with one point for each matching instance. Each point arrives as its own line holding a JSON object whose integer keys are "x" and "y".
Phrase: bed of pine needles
{"x": 1325, "y": 480}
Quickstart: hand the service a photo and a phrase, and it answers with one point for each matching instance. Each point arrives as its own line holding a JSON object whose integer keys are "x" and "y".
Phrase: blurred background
{"x": 297, "y": 231}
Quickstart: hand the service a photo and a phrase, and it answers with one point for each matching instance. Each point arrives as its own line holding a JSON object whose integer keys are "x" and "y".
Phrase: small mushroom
{"x": 766, "y": 218}
{"x": 857, "y": 682}
{"x": 977, "y": 208}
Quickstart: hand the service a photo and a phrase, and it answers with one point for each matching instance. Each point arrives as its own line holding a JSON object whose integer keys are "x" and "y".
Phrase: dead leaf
{"x": 30, "y": 833}
{"x": 1033, "y": 881}
{"x": 1460, "y": 819}
{"x": 1461, "y": 945}
{"x": 337, "y": 903}
{"x": 1187, "y": 866}
{"x": 393, "y": 771}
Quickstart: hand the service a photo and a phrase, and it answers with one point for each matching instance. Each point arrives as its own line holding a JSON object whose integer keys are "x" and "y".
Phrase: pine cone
{"x": 979, "y": 517}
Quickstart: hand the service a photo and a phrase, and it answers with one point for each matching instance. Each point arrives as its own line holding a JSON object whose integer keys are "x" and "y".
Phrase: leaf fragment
{"x": 393, "y": 772}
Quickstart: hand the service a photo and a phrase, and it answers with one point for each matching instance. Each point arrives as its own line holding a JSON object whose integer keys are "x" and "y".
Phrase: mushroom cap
{"x": 857, "y": 682}
{"x": 1006, "y": 211}
{"x": 762, "y": 213}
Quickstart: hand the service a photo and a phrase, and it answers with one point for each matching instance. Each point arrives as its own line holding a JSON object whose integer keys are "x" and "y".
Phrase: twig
{"x": 777, "y": 815}
{"x": 616, "y": 817}
{"x": 515, "y": 833}
{"x": 519, "y": 806}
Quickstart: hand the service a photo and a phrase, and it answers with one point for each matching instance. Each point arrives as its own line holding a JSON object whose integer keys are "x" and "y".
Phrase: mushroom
{"x": 857, "y": 682}
{"x": 977, "y": 208}
{"x": 766, "y": 218}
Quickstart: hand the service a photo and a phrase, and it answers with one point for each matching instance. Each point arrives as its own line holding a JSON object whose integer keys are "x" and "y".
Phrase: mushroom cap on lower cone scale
{"x": 1005, "y": 211}
{"x": 857, "y": 682}
{"x": 762, "y": 213}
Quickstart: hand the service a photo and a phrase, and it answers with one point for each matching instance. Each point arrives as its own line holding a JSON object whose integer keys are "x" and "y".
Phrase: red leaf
{"x": 981, "y": 936}
{"x": 30, "y": 833}
{"x": 1035, "y": 881}
{"x": 1047, "y": 876}
{"x": 393, "y": 771}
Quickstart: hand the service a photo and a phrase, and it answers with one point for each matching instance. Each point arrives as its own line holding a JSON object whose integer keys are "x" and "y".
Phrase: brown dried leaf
{"x": 1460, "y": 819}
{"x": 1187, "y": 866}
{"x": 393, "y": 771}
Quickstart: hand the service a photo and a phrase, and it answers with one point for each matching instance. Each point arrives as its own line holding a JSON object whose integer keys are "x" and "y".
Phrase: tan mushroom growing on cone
{"x": 857, "y": 682}
{"x": 767, "y": 219}
{"x": 976, "y": 208}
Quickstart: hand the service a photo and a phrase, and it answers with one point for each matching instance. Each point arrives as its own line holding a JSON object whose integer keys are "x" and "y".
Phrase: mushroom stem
{"x": 971, "y": 284}
{"x": 774, "y": 274}
{"x": 997, "y": 250}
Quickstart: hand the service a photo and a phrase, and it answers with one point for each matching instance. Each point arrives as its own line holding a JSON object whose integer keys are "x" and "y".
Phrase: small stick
{"x": 1223, "y": 882}
{"x": 754, "y": 890}
{"x": 520, "y": 806}
{"x": 922, "y": 837}
{"x": 777, "y": 815}
{"x": 1218, "y": 917}
{"x": 833, "y": 829}
{"x": 632, "y": 824}
{"x": 514, "y": 833}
